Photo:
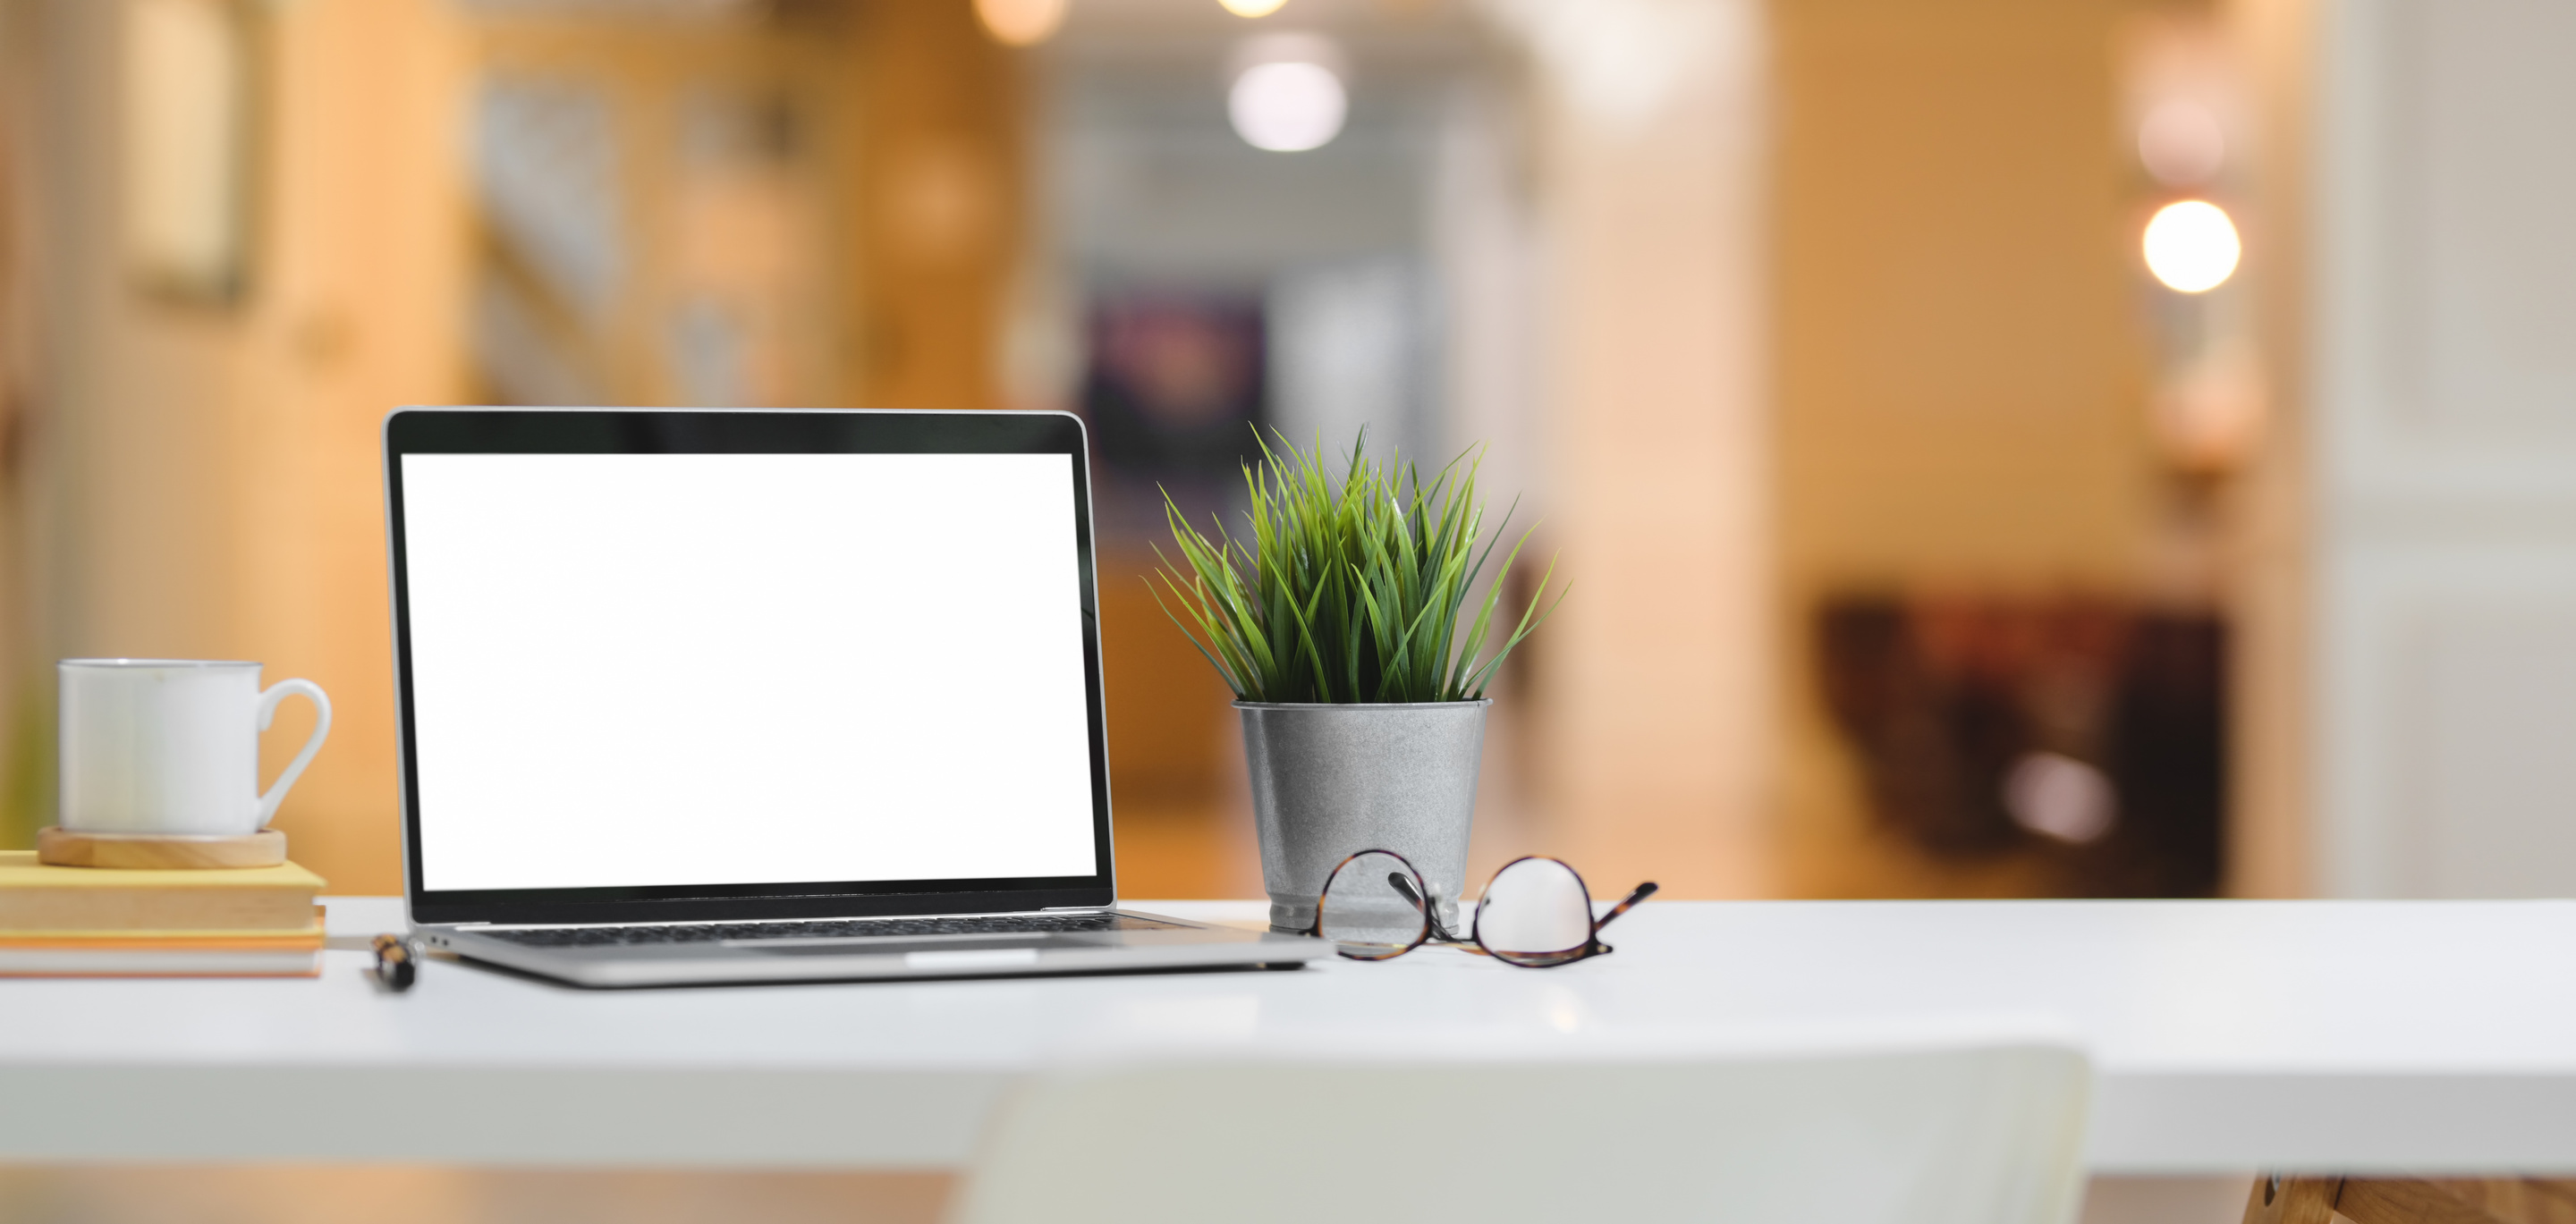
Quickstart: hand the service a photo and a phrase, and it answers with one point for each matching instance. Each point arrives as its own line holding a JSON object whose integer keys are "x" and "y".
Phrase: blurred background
{"x": 1999, "y": 447}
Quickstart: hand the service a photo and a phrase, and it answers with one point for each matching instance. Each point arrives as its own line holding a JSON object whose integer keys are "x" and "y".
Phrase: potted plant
{"x": 1337, "y": 623}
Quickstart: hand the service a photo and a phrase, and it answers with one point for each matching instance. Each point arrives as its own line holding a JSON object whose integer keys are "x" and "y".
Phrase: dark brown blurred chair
{"x": 1942, "y": 699}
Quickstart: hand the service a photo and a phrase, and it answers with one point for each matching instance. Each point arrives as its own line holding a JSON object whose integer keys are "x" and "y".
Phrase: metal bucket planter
{"x": 1329, "y": 780}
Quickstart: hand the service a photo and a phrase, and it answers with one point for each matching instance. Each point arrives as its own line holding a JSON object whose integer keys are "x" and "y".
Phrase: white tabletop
{"x": 2350, "y": 1036}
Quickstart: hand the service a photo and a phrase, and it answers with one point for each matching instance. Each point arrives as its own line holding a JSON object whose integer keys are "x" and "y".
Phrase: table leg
{"x": 2411, "y": 1200}
{"x": 2281, "y": 1199}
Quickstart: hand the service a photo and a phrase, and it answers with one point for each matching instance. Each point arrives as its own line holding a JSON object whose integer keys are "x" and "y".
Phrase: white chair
{"x": 1944, "y": 1131}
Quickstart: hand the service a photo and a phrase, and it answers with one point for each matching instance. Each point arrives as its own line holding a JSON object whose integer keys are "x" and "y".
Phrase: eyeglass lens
{"x": 1536, "y": 912}
{"x": 1372, "y": 907}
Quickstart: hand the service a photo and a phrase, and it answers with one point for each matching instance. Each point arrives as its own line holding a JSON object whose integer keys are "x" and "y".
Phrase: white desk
{"x": 2351, "y": 1037}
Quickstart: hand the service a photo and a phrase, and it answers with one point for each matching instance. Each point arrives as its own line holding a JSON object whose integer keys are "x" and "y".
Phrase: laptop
{"x": 707, "y": 697}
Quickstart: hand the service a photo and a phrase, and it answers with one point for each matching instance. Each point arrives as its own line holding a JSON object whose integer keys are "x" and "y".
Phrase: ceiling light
{"x": 2192, "y": 247}
{"x": 1252, "y": 8}
{"x": 1020, "y": 23}
{"x": 1287, "y": 106}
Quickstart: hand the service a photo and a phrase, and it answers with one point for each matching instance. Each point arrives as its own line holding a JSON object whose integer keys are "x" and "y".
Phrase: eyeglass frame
{"x": 1433, "y": 930}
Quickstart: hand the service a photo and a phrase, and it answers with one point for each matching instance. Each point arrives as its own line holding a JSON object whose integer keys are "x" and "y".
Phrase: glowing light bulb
{"x": 1252, "y": 8}
{"x": 1287, "y": 106}
{"x": 2192, "y": 247}
{"x": 1020, "y": 23}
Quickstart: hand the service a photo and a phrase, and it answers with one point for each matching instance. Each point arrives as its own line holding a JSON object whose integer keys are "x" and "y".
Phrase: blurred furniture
{"x": 1939, "y": 1131}
{"x": 2225, "y": 1036}
{"x": 2412, "y": 1200}
{"x": 1945, "y": 700}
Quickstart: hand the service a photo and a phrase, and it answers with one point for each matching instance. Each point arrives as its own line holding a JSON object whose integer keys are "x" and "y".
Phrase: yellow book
{"x": 309, "y": 936}
{"x": 35, "y": 897}
{"x": 136, "y": 953}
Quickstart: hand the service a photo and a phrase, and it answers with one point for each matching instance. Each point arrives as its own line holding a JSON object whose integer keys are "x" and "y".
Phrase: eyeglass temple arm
{"x": 1640, "y": 893}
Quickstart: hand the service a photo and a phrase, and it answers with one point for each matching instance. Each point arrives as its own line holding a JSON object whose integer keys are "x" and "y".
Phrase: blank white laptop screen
{"x": 636, "y": 670}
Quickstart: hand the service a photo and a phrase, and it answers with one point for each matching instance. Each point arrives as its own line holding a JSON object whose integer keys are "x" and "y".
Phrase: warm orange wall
{"x": 1958, "y": 371}
{"x": 363, "y": 315}
{"x": 1959, "y": 378}
{"x": 207, "y": 476}
{"x": 21, "y": 694}
{"x": 942, "y": 181}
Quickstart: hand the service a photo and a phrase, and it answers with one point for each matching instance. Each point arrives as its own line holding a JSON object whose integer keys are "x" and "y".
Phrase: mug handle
{"x": 268, "y": 699}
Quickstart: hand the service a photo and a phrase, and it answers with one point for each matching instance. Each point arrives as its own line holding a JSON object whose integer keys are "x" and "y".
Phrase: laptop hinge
{"x": 1075, "y": 909}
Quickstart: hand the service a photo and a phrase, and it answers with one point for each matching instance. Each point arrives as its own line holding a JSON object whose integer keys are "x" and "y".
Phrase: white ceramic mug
{"x": 172, "y": 745}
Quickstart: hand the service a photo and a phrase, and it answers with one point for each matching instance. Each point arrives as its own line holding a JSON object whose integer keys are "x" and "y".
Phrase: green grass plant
{"x": 1346, "y": 591}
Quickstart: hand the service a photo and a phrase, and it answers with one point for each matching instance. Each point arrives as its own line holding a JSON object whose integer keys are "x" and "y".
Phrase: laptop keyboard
{"x": 1007, "y": 924}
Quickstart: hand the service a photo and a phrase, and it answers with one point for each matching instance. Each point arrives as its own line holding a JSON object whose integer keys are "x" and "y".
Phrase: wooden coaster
{"x": 158, "y": 851}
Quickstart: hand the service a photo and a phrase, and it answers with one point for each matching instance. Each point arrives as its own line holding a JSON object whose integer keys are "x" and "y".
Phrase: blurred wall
{"x": 2272, "y": 804}
{"x": 944, "y": 193}
{"x": 24, "y": 728}
{"x": 1653, "y": 752}
{"x": 661, "y": 205}
{"x": 201, "y": 476}
{"x": 1958, "y": 367}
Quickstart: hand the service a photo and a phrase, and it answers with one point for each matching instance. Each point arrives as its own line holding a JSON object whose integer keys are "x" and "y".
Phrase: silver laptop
{"x": 699, "y": 697}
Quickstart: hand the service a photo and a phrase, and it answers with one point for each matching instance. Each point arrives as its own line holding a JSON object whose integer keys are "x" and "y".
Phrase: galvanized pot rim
{"x": 1362, "y": 705}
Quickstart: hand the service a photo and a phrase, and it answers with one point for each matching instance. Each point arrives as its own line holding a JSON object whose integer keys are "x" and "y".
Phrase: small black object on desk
{"x": 397, "y": 963}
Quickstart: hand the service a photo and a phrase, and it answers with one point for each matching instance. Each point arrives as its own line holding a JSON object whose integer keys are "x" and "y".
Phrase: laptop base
{"x": 1170, "y": 944}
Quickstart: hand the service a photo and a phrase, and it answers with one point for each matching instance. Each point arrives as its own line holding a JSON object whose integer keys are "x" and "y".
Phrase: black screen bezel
{"x": 413, "y": 431}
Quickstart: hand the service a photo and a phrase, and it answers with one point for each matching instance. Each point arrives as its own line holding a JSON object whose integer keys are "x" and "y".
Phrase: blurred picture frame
{"x": 186, "y": 100}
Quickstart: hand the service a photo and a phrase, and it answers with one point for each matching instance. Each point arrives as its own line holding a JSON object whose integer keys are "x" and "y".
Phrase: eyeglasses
{"x": 1536, "y": 913}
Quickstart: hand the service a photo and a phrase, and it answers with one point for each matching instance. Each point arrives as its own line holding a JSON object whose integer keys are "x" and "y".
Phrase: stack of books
{"x": 109, "y": 922}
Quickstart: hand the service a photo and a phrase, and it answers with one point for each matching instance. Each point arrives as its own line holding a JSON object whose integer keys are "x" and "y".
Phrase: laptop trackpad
{"x": 907, "y": 947}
